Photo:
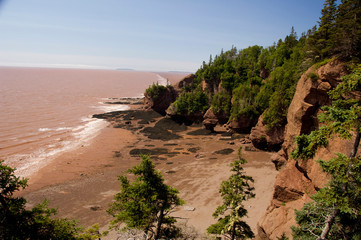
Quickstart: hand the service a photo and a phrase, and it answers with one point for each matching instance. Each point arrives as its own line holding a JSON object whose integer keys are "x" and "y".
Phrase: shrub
{"x": 155, "y": 90}
{"x": 314, "y": 76}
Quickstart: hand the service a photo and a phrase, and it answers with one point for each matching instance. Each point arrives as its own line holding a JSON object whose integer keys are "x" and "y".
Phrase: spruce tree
{"x": 348, "y": 33}
{"x": 146, "y": 202}
{"x": 327, "y": 28}
{"x": 234, "y": 192}
{"x": 335, "y": 212}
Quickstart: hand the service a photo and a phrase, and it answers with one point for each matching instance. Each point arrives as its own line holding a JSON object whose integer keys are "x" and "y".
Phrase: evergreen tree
{"x": 17, "y": 222}
{"x": 336, "y": 210}
{"x": 146, "y": 202}
{"x": 234, "y": 192}
{"x": 327, "y": 28}
{"x": 348, "y": 24}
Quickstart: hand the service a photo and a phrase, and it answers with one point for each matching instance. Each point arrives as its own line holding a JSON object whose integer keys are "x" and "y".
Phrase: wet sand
{"x": 81, "y": 183}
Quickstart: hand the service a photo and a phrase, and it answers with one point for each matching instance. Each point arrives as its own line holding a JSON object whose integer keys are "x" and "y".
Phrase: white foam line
{"x": 162, "y": 81}
{"x": 30, "y": 163}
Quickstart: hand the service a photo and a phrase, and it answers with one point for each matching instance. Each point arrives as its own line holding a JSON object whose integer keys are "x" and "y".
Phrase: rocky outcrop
{"x": 310, "y": 96}
{"x": 267, "y": 139}
{"x": 298, "y": 180}
{"x": 211, "y": 119}
{"x": 187, "y": 119}
{"x": 184, "y": 83}
{"x": 162, "y": 101}
{"x": 241, "y": 124}
{"x": 168, "y": 96}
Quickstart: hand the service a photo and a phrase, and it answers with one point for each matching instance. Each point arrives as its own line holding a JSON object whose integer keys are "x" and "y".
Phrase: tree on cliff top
{"x": 234, "y": 192}
{"x": 145, "y": 203}
{"x": 335, "y": 212}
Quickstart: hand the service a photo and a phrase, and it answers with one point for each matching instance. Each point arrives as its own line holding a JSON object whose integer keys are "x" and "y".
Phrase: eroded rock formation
{"x": 298, "y": 180}
{"x": 267, "y": 139}
{"x": 161, "y": 102}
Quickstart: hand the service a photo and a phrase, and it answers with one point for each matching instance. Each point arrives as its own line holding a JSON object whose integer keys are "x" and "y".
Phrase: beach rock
{"x": 241, "y": 125}
{"x": 187, "y": 119}
{"x": 267, "y": 139}
{"x": 299, "y": 179}
{"x": 211, "y": 119}
{"x": 95, "y": 207}
{"x": 189, "y": 208}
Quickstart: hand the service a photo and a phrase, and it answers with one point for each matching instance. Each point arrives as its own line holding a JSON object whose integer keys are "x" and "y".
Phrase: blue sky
{"x": 157, "y": 35}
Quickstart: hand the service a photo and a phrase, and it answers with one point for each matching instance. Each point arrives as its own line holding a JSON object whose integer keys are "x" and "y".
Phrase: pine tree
{"x": 327, "y": 28}
{"x": 348, "y": 34}
{"x": 146, "y": 202}
{"x": 336, "y": 210}
{"x": 234, "y": 192}
{"x": 321, "y": 41}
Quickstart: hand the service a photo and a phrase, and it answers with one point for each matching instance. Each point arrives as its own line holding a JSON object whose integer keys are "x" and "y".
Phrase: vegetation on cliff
{"x": 335, "y": 212}
{"x": 258, "y": 80}
{"x": 155, "y": 90}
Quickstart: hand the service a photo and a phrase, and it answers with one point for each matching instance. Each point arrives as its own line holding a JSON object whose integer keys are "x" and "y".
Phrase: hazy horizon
{"x": 142, "y": 35}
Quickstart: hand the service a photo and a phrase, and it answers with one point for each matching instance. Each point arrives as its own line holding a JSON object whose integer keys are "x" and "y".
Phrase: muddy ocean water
{"x": 44, "y": 112}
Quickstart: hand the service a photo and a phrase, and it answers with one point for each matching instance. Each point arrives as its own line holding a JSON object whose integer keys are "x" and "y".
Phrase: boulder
{"x": 211, "y": 119}
{"x": 267, "y": 139}
{"x": 241, "y": 125}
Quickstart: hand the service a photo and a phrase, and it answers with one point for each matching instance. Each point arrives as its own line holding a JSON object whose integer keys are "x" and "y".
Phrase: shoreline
{"x": 81, "y": 183}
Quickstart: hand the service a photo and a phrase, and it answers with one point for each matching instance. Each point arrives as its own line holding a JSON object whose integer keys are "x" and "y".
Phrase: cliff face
{"x": 298, "y": 180}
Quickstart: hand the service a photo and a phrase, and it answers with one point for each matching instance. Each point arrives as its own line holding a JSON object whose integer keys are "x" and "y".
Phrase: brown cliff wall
{"x": 298, "y": 180}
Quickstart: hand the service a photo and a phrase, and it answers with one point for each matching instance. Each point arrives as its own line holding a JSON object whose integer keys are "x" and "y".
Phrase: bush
{"x": 191, "y": 102}
{"x": 155, "y": 90}
{"x": 314, "y": 76}
{"x": 221, "y": 103}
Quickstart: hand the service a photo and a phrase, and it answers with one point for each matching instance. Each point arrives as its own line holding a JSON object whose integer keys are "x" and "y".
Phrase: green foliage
{"x": 314, "y": 77}
{"x": 155, "y": 90}
{"x": 238, "y": 72}
{"x": 17, "y": 222}
{"x": 237, "y": 189}
{"x": 221, "y": 103}
{"x": 323, "y": 62}
{"x": 338, "y": 33}
{"x": 191, "y": 102}
{"x": 145, "y": 203}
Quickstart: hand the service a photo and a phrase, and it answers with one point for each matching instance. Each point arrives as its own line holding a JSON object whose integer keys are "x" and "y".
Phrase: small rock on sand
{"x": 188, "y": 208}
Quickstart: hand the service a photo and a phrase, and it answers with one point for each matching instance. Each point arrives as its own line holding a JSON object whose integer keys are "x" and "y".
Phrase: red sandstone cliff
{"x": 298, "y": 180}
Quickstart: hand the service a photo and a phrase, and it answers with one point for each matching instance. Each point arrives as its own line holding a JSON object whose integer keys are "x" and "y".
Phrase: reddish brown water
{"x": 45, "y": 112}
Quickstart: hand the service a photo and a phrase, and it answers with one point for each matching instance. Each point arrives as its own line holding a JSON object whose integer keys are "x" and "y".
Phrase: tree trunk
{"x": 355, "y": 145}
{"x": 329, "y": 222}
{"x": 233, "y": 231}
{"x": 159, "y": 224}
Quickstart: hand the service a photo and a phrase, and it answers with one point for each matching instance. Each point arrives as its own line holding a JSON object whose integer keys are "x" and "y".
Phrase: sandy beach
{"x": 81, "y": 183}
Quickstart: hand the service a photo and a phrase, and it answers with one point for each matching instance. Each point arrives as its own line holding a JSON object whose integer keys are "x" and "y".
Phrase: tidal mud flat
{"x": 81, "y": 183}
